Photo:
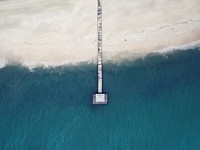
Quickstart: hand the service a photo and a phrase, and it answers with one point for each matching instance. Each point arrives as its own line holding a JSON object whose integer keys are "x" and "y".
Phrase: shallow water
{"x": 153, "y": 104}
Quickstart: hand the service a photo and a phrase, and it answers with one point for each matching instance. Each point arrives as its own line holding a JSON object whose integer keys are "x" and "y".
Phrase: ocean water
{"x": 154, "y": 104}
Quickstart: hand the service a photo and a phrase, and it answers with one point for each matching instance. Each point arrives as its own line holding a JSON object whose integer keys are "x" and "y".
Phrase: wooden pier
{"x": 100, "y": 97}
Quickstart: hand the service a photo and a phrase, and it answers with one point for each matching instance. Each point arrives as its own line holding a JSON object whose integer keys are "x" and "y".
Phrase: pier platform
{"x": 100, "y": 98}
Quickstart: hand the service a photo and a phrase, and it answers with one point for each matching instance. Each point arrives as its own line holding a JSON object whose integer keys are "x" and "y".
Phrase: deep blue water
{"x": 154, "y": 104}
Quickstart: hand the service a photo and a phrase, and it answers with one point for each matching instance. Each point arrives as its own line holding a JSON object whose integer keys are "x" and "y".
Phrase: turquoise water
{"x": 154, "y": 104}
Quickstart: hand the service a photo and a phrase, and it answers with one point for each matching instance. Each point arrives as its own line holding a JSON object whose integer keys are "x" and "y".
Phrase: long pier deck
{"x": 100, "y": 97}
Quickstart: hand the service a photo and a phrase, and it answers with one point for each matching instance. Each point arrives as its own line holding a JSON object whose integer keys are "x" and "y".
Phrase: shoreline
{"x": 118, "y": 58}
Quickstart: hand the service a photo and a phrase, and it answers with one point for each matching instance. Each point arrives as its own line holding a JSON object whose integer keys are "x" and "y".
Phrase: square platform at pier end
{"x": 100, "y": 98}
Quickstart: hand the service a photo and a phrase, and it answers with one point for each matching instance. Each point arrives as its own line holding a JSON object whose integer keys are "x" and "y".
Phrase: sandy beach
{"x": 42, "y": 33}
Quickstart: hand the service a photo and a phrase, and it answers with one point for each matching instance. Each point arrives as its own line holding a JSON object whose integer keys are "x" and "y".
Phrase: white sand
{"x": 56, "y": 32}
